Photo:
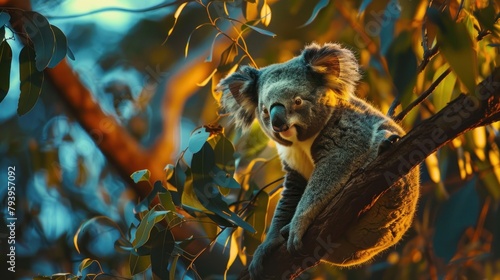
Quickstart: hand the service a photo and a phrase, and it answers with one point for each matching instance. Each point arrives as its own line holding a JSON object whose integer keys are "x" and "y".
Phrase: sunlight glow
{"x": 110, "y": 19}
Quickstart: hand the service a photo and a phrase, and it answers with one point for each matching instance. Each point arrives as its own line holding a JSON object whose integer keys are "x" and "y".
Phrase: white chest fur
{"x": 298, "y": 156}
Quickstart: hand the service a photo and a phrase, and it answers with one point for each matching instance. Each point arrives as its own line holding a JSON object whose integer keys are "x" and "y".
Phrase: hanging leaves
{"x": 319, "y": 6}
{"x": 38, "y": 29}
{"x": 31, "y": 80}
{"x": 60, "y": 46}
{"x": 161, "y": 251}
{"x": 5, "y": 65}
{"x": 176, "y": 17}
{"x": 456, "y": 46}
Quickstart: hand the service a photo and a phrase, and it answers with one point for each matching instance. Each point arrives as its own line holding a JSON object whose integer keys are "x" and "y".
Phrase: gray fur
{"x": 332, "y": 135}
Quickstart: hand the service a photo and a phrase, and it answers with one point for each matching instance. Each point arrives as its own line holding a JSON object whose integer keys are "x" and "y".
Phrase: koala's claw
{"x": 295, "y": 235}
{"x": 256, "y": 267}
{"x": 387, "y": 143}
{"x": 285, "y": 231}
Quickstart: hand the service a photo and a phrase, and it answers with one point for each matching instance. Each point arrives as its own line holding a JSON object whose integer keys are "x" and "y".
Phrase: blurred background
{"x": 152, "y": 93}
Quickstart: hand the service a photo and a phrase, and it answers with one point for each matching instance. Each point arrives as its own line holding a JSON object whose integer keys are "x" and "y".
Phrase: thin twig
{"x": 422, "y": 96}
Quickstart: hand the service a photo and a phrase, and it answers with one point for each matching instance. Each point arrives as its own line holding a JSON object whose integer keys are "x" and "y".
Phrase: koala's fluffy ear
{"x": 337, "y": 65}
{"x": 240, "y": 96}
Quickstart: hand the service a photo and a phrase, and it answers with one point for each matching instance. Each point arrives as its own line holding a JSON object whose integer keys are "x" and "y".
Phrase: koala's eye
{"x": 265, "y": 111}
{"x": 298, "y": 101}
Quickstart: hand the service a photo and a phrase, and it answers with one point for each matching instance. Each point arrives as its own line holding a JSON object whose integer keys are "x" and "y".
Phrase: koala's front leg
{"x": 329, "y": 176}
{"x": 290, "y": 197}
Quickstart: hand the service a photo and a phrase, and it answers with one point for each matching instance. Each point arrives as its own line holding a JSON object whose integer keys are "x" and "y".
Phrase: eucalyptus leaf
{"x": 204, "y": 160}
{"x": 161, "y": 251}
{"x": 144, "y": 204}
{"x": 224, "y": 155}
{"x": 5, "y": 65}
{"x": 138, "y": 264}
{"x": 198, "y": 139}
{"x": 61, "y": 46}
{"x": 39, "y": 31}
{"x": 456, "y": 45}
{"x": 210, "y": 197}
{"x": 4, "y": 19}
{"x": 70, "y": 54}
{"x": 146, "y": 225}
{"x": 141, "y": 175}
{"x": 261, "y": 31}
{"x": 31, "y": 81}
{"x": 178, "y": 179}
{"x": 257, "y": 219}
{"x": 319, "y": 6}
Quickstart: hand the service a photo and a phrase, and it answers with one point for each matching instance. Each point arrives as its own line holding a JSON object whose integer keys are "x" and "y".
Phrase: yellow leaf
{"x": 433, "y": 167}
{"x": 265, "y": 14}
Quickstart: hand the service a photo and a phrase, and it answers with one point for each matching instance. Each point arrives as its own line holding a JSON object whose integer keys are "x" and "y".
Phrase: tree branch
{"x": 462, "y": 114}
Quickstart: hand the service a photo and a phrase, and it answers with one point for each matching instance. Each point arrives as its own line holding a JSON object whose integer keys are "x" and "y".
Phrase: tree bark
{"x": 362, "y": 190}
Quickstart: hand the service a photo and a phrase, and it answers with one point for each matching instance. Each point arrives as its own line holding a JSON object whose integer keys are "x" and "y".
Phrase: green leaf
{"x": 4, "y": 19}
{"x": 176, "y": 17}
{"x": 456, "y": 46}
{"x": 198, "y": 139}
{"x": 178, "y": 179}
{"x": 207, "y": 192}
{"x": 5, "y": 64}
{"x": 31, "y": 81}
{"x": 61, "y": 46}
{"x": 257, "y": 219}
{"x": 210, "y": 197}
{"x": 144, "y": 204}
{"x": 141, "y": 175}
{"x": 146, "y": 225}
{"x": 261, "y": 31}
{"x": 167, "y": 203}
{"x": 122, "y": 245}
{"x": 402, "y": 63}
{"x": 70, "y": 54}
{"x": 223, "y": 178}
{"x": 162, "y": 247}
{"x": 84, "y": 227}
{"x": 86, "y": 263}
{"x": 38, "y": 30}
{"x": 138, "y": 264}
{"x": 2, "y": 33}
{"x": 204, "y": 160}
{"x": 319, "y": 6}
{"x": 443, "y": 92}
{"x": 210, "y": 54}
{"x": 186, "y": 48}
{"x": 228, "y": 55}
{"x": 224, "y": 155}
{"x": 173, "y": 267}
{"x": 254, "y": 142}
{"x": 487, "y": 17}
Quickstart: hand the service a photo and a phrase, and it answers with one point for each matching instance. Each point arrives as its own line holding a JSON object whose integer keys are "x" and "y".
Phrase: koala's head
{"x": 292, "y": 100}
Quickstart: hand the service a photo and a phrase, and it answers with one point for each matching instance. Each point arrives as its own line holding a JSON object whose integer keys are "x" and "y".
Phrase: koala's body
{"x": 323, "y": 134}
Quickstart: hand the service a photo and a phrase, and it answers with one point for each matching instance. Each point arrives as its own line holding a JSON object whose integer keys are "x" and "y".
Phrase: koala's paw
{"x": 387, "y": 143}
{"x": 296, "y": 230}
{"x": 256, "y": 267}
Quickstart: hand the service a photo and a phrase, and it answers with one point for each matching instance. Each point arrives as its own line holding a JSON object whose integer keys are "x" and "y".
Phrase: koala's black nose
{"x": 278, "y": 118}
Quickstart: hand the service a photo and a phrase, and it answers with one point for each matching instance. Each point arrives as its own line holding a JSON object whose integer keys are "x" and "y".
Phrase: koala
{"x": 323, "y": 134}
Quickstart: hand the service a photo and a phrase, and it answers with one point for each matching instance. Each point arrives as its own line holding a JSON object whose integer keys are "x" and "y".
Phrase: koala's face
{"x": 291, "y": 100}
{"x": 293, "y": 104}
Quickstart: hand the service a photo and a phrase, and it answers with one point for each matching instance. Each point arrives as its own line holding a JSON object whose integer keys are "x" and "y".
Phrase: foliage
{"x": 46, "y": 45}
{"x": 416, "y": 58}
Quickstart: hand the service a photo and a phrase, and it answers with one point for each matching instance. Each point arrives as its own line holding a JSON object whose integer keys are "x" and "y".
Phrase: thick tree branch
{"x": 462, "y": 114}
